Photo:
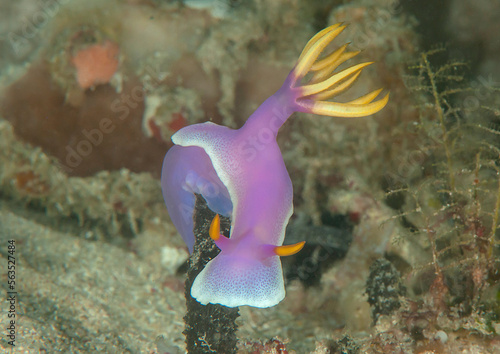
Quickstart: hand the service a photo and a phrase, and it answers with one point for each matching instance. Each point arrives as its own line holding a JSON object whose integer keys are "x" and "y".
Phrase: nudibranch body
{"x": 241, "y": 174}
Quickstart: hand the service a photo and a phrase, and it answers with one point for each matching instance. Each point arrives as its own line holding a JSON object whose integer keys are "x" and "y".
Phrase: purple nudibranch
{"x": 241, "y": 175}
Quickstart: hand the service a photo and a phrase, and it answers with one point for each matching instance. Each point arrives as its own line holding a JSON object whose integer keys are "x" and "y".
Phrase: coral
{"x": 202, "y": 73}
{"x": 103, "y": 207}
{"x": 168, "y": 110}
{"x": 454, "y": 207}
{"x": 449, "y": 217}
{"x": 384, "y": 288}
{"x": 103, "y": 133}
{"x": 87, "y": 35}
{"x": 346, "y": 345}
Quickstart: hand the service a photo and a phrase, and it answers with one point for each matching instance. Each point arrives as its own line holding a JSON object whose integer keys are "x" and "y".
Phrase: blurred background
{"x": 92, "y": 91}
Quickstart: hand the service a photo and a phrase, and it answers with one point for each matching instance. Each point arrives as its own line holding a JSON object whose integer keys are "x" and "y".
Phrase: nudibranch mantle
{"x": 241, "y": 174}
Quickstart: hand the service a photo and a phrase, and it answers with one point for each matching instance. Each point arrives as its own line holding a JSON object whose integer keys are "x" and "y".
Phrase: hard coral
{"x": 96, "y": 64}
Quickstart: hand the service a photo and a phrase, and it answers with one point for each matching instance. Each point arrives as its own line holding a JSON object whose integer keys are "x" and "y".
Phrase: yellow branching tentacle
{"x": 337, "y": 89}
{"x": 366, "y": 98}
{"x": 322, "y": 86}
{"x": 315, "y": 38}
{"x": 322, "y": 74}
{"x": 325, "y": 84}
{"x": 330, "y": 59}
{"x": 307, "y": 58}
{"x": 347, "y": 110}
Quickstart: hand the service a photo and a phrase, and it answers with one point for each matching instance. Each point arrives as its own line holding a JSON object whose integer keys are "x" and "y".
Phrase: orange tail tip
{"x": 325, "y": 84}
{"x": 288, "y": 250}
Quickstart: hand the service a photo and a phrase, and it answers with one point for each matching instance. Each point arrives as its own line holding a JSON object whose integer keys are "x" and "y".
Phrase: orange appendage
{"x": 289, "y": 249}
{"x": 214, "y": 231}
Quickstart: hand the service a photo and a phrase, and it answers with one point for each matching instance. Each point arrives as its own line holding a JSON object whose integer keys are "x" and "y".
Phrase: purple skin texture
{"x": 242, "y": 175}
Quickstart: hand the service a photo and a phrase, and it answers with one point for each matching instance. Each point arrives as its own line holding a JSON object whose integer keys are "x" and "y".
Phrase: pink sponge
{"x": 96, "y": 64}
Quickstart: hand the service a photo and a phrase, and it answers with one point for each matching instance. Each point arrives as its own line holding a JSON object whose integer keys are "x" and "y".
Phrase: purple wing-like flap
{"x": 186, "y": 171}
